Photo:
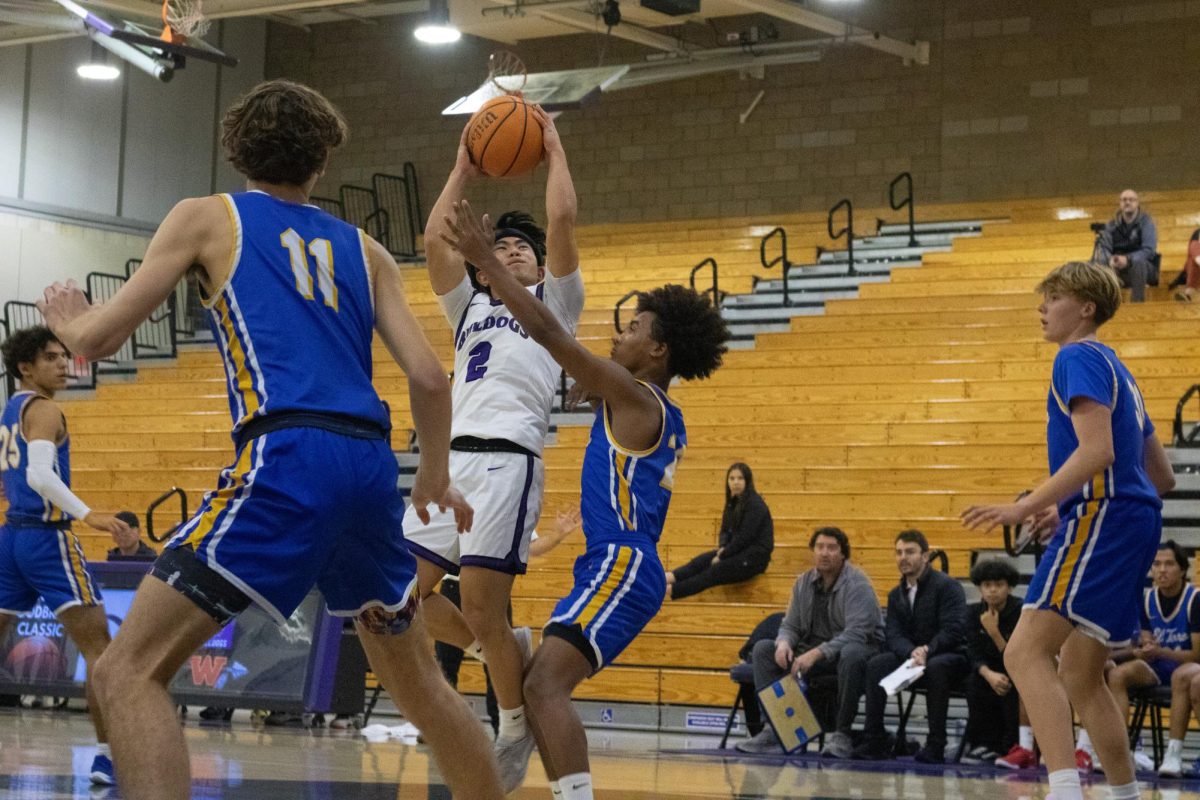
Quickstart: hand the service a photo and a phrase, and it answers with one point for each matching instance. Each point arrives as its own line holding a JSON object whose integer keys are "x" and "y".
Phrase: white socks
{"x": 1084, "y": 742}
{"x": 1127, "y": 792}
{"x": 1025, "y": 737}
{"x": 576, "y": 787}
{"x": 1064, "y": 785}
{"x": 555, "y": 790}
{"x": 475, "y": 650}
{"x": 102, "y": 750}
{"x": 512, "y": 724}
{"x": 1175, "y": 747}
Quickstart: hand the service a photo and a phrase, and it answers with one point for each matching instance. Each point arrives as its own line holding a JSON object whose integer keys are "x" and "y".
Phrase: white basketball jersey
{"x": 504, "y": 381}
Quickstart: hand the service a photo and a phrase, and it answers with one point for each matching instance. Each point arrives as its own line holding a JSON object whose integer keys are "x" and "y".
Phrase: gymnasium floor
{"x": 41, "y": 752}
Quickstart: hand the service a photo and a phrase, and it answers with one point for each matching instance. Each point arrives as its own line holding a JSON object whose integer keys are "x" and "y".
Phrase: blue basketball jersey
{"x": 625, "y": 493}
{"x": 295, "y": 318}
{"x": 25, "y": 506}
{"x": 1092, "y": 370}
{"x": 1173, "y": 631}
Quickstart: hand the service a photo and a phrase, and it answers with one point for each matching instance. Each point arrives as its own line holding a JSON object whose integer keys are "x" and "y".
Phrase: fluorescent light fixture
{"x": 436, "y": 28}
{"x": 1071, "y": 213}
{"x": 98, "y": 72}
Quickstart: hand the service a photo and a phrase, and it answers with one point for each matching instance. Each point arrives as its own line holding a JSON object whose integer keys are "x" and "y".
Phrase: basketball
{"x": 36, "y": 659}
{"x": 505, "y": 138}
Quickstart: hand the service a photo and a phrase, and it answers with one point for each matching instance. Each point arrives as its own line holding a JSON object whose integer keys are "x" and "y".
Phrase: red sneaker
{"x": 1018, "y": 758}
{"x": 1083, "y": 761}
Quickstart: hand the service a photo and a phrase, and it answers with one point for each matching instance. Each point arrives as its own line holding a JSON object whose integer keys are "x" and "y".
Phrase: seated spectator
{"x": 926, "y": 622}
{"x": 1190, "y": 282}
{"x": 994, "y": 709}
{"x": 130, "y": 546}
{"x": 743, "y": 547}
{"x": 1170, "y": 642}
{"x": 832, "y": 627}
{"x": 1128, "y": 243}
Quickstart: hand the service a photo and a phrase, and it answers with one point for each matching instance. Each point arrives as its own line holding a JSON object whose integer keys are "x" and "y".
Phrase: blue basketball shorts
{"x": 618, "y": 590}
{"x": 1095, "y": 566}
{"x": 303, "y": 506}
{"x": 43, "y": 561}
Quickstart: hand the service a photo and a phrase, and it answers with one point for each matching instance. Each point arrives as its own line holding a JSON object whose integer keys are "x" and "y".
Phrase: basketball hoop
{"x": 506, "y": 72}
{"x": 183, "y": 19}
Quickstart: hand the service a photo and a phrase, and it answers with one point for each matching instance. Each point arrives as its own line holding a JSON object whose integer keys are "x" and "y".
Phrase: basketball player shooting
{"x": 293, "y": 296}
{"x": 503, "y": 390}
{"x": 628, "y": 470}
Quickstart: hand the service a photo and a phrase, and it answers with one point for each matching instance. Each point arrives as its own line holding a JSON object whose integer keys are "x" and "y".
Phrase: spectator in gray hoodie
{"x": 1129, "y": 244}
{"x": 833, "y": 626}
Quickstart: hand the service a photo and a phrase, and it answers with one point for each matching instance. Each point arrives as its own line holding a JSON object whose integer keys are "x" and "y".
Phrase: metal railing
{"x": 189, "y": 314}
{"x": 617, "y": 309}
{"x": 154, "y": 338}
{"x": 781, "y": 259}
{"x": 329, "y": 205}
{"x": 714, "y": 289}
{"x": 397, "y": 195}
{"x": 175, "y": 491}
{"x": 1178, "y": 437}
{"x": 362, "y": 210}
{"x": 81, "y": 373}
{"x": 847, "y": 231}
{"x": 906, "y": 201}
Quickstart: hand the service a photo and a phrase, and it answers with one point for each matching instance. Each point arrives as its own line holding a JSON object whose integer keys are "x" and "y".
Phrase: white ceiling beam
{"x": 790, "y": 12}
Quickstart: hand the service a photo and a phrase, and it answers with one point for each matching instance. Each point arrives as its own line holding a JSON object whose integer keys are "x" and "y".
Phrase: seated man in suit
{"x": 926, "y": 622}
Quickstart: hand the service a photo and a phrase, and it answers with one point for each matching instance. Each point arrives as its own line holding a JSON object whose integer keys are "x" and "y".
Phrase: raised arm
{"x": 445, "y": 264}
{"x": 428, "y": 388}
{"x": 473, "y": 238}
{"x": 196, "y": 231}
{"x": 562, "y": 253}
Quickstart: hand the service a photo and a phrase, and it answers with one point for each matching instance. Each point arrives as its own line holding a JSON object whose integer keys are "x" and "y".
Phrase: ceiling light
{"x": 97, "y": 68}
{"x": 436, "y": 28}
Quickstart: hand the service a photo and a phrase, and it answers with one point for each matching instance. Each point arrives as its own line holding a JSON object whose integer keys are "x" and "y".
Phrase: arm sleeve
{"x": 564, "y": 297}
{"x": 454, "y": 302}
{"x": 749, "y": 532}
{"x": 1081, "y": 371}
{"x": 952, "y": 618}
{"x": 861, "y": 617}
{"x": 45, "y": 481}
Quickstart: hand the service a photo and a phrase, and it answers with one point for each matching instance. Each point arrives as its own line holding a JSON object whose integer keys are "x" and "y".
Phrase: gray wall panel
{"x": 245, "y": 39}
{"x": 74, "y": 131}
{"x": 12, "y": 94}
{"x": 168, "y": 140}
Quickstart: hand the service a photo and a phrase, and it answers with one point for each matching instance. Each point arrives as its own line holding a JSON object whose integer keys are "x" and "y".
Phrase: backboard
{"x": 554, "y": 91}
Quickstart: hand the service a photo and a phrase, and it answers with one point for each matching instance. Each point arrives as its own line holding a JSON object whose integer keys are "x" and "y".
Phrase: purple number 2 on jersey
{"x": 480, "y": 354}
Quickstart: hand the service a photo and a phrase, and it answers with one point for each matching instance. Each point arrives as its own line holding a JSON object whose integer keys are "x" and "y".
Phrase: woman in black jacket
{"x": 743, "y": 547}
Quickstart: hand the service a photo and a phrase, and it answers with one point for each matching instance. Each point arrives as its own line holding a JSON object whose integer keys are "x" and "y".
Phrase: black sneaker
{"x": 871, "y": 750}
{"x": 930, "y": 755}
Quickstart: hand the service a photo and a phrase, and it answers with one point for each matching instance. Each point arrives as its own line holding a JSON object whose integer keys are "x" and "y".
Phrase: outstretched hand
{"x": 444, "y": 496}
{"x": 62, "y": 303}
{"x": 472, "y": 237}
{"x": 462, "y": 160}
{"x": 551, "y": 143}
{"x": 989, "y": 517}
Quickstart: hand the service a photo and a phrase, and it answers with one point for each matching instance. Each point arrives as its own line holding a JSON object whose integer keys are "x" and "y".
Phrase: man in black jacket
{"x": 926, "y": 622}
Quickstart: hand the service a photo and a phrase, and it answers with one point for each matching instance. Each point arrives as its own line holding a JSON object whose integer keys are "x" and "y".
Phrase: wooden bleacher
{"x": 898, "y": 409}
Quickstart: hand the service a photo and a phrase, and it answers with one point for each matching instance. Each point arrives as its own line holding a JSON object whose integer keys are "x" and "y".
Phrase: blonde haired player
{"x": 1108, "y": 471}
{"x": 503, "y": 390}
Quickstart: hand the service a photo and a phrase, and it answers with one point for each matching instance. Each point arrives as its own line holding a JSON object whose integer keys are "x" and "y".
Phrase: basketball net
{"x": 183, "y": 19}
{"x": 506, "y": 72}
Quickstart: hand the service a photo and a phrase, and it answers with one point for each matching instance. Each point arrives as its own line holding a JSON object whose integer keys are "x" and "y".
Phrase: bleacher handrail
{"x": 847, "y": 230}
{"x": 782, "y": 259}
{"x": 152, "y": 338}
{"x": 906, "y": 201}
{"x": 398, "y": 195}
{"x": 625, "y": 298}
{"x": 174, "y": 491}
{"x": 1178, "y": 438}
{"x": 715, "y": 288}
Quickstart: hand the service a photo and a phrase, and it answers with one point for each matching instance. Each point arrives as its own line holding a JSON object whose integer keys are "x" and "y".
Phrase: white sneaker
{"x": 1143, "y": 761}
{"x": 525, "y": 642}
{"x": 1172, "y": 765}
{"x": 513, "y": 758}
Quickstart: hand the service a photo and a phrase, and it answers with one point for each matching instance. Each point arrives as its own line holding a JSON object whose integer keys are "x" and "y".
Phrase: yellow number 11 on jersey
{"x": 322, "y": 253}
